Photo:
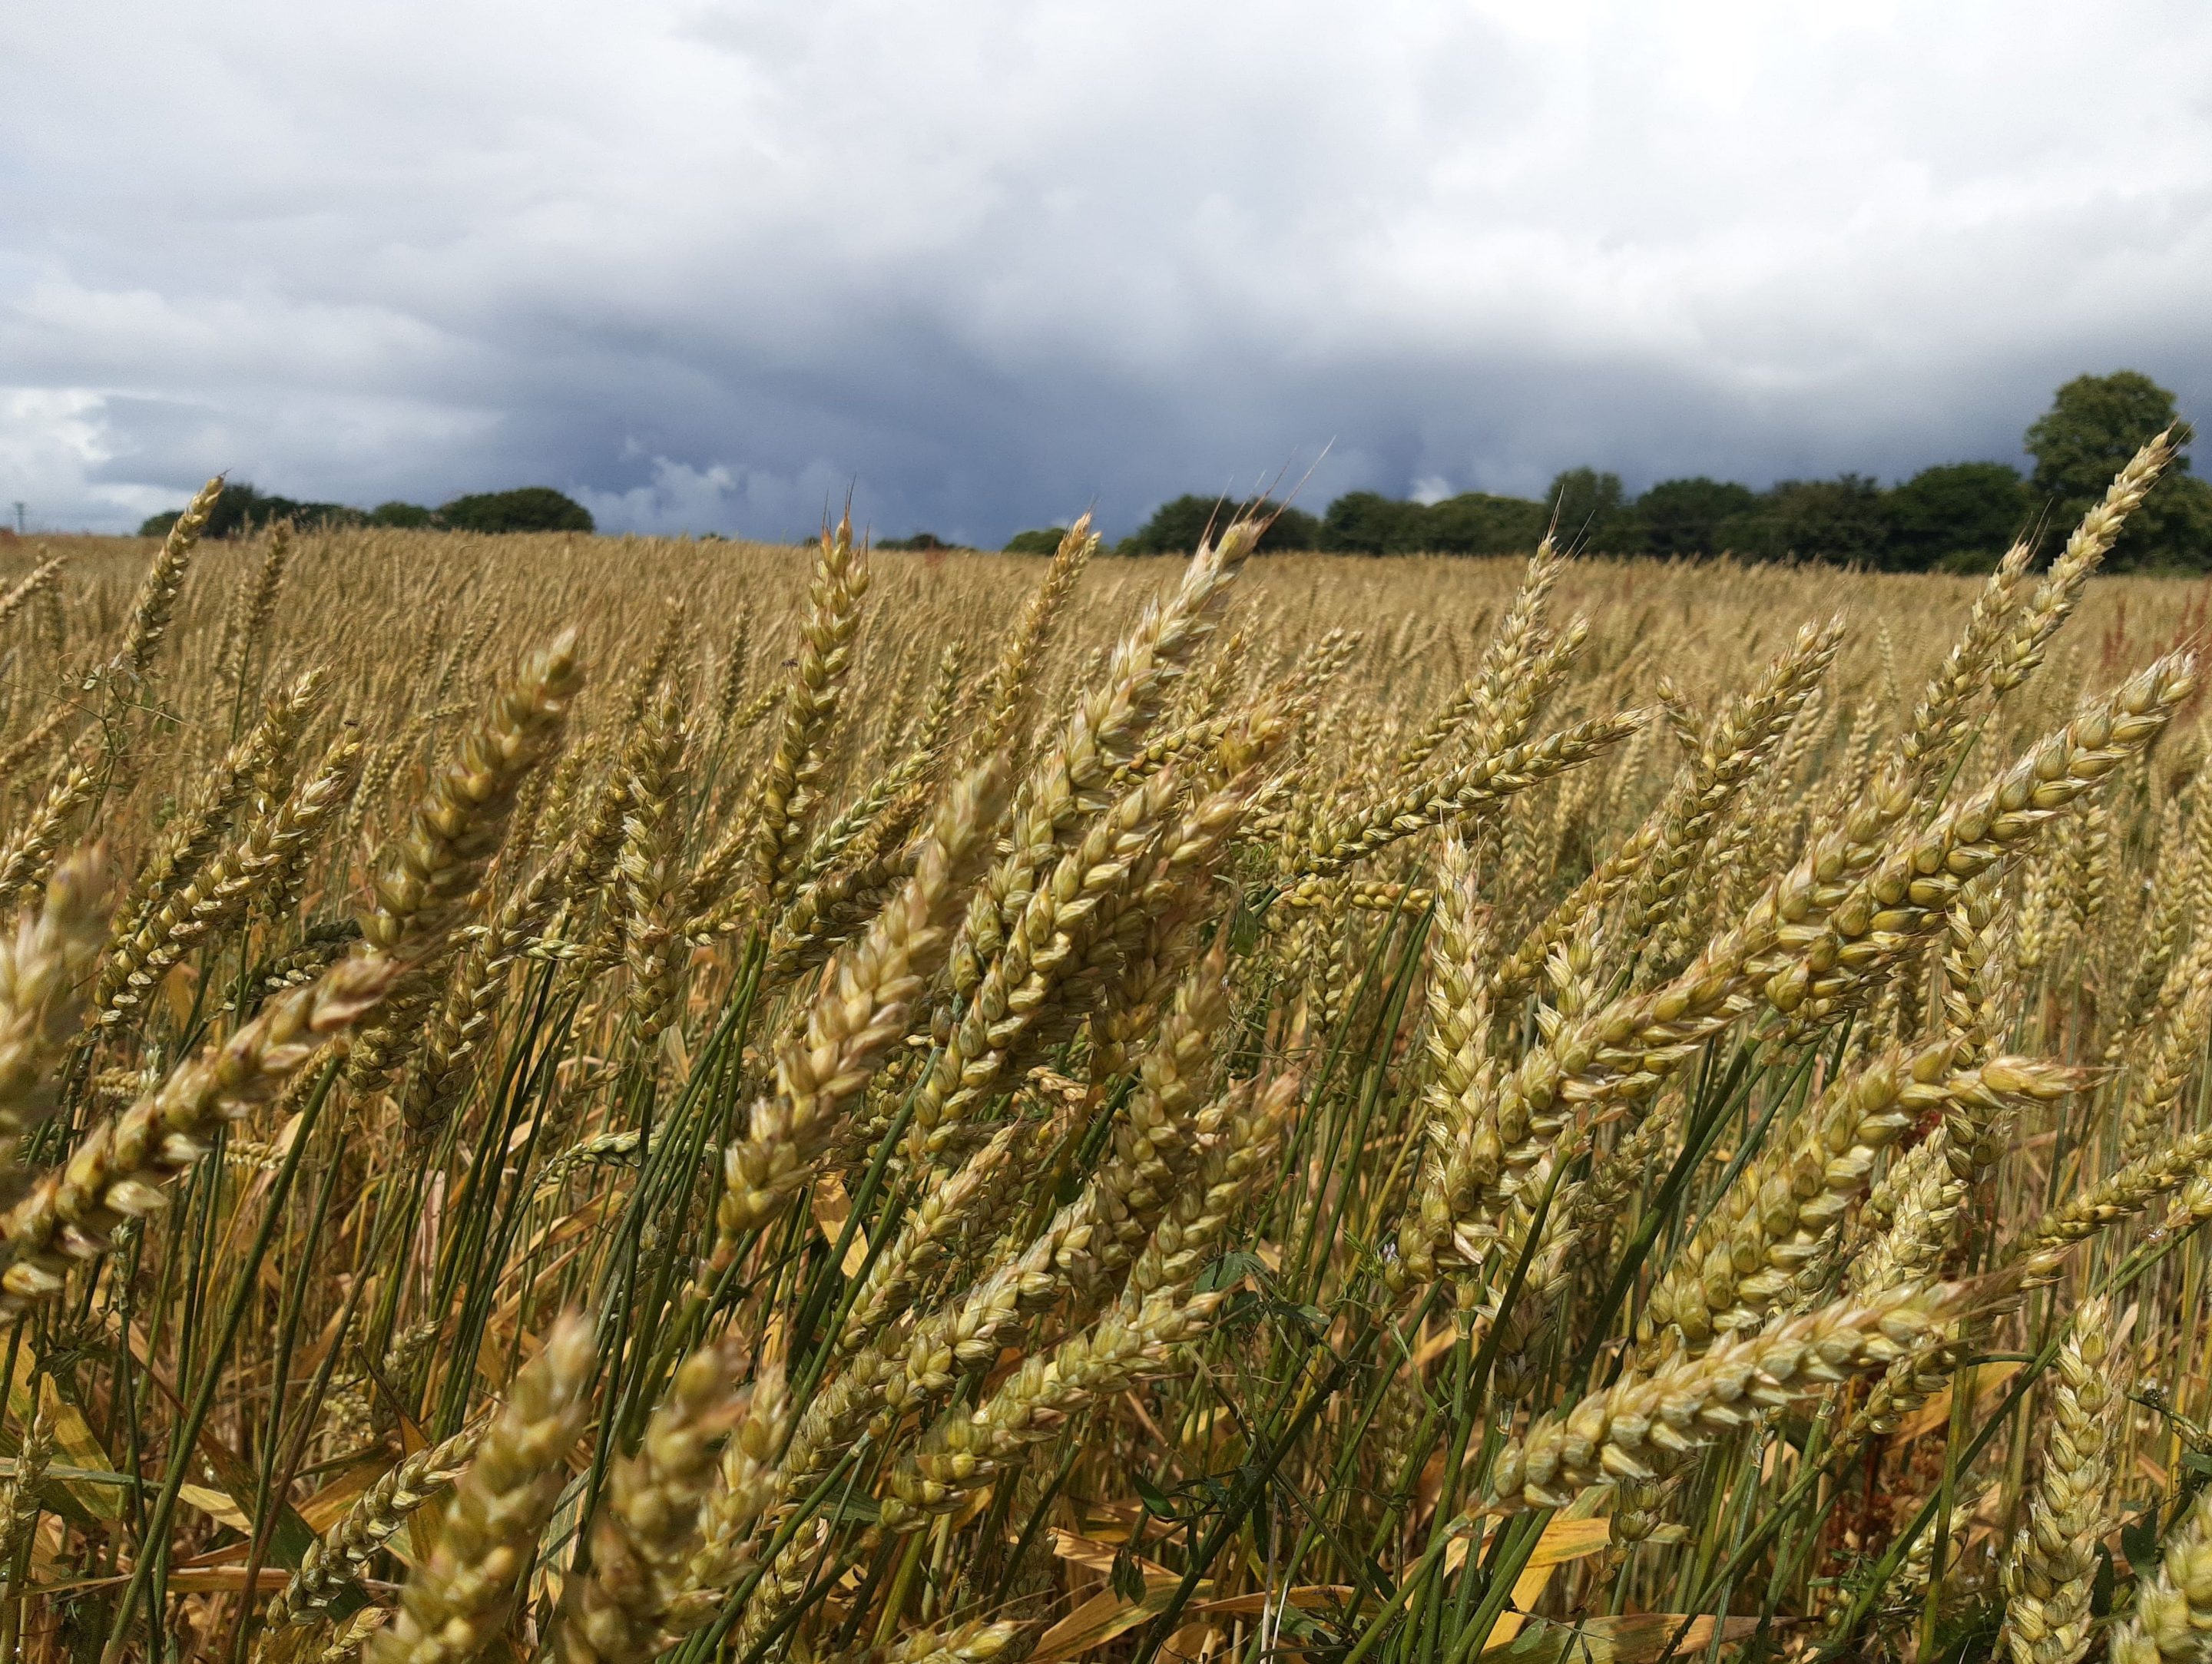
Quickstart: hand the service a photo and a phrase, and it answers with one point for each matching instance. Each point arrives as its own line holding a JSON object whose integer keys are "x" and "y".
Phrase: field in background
{"x": 1421, "y": 619}
{"x": 632, "y": 1098}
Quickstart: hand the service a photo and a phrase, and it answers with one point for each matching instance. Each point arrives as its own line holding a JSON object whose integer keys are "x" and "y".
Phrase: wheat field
{"x": 616, "y": 1099}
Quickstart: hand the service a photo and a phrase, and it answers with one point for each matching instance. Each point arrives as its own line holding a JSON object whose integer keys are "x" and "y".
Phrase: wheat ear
{"x": 1625, "y": 1430}
{"x": 334, "y": 1562}
{"x": 2172, "y": 1620}
{"x": 2052, "y": 1570}
{"x": 118, "y": 1169}
{"x": 647, "y": 1529}
{"x": 457, "y": 1599}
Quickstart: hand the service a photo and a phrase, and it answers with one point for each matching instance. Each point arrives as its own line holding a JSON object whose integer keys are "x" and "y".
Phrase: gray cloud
{"x": 985, "y": 262}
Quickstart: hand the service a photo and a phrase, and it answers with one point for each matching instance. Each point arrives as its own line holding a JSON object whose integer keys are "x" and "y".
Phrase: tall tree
{"x": 1837, "y": 520}
{"x": 1963, "y": 513}
{"x": 1368, "y": 523}
{"x": 1176, "y": 528}
{"x": 2094, "y": 424}
{"x": 1684, "y": 517}
{"x": 1590, "y": 508}
{"x": 1480, "y": 523}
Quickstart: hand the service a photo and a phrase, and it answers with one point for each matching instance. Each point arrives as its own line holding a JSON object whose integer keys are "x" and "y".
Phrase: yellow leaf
{"x": 1243, "y": 1605}
{"x": 228, "y": 1580}
{"x": 1097, "y": 1555}
{"x": 832, "y": 1207}
{"x": 1569, "y": 1535}
{"x": 1563, "y": 1540}
{"x": 1102, "y": 1617}
{"x": 1636, "y": 1638}
{"x": 1936, "y": 1413}
{"x": 327, "y": 1506}
{"x": 73, "y": 1437}
{"x": 216, "y": 1505}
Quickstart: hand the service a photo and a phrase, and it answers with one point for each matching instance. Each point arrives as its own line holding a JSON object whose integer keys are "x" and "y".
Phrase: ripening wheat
{"x": 609, "y": 1102}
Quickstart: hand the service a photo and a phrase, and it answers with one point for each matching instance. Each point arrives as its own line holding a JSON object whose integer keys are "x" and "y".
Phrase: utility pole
{"x": 21, "y": 510}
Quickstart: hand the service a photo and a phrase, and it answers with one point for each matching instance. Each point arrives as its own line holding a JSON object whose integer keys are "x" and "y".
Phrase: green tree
{"x": 1038, "y": 540}
{"x": 408, "y": 516}
{"x": 1368, "y": 523}
{"x": 1958, "y": 514}
{"x": 1591, "y": 512}
{"x": 528, "y": 508}
{"x": 240, "y": 510}
{"x": 1839, "y": 520}
{"x": 1480, "y": 523}
{"x": 1176, "y": 528}
{"x": 1684, "y": 517}
{"x": 2094, "y": 424}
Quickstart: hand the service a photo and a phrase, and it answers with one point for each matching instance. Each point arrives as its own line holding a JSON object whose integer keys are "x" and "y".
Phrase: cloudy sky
{"x": 707, "y": 263}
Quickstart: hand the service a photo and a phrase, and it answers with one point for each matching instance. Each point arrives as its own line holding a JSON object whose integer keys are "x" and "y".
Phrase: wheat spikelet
{"x": 1465, "y": 791}
{"x": 221, "y": 892}
{"x": 457, "y": 1599}
{"x": 2060, "y": 592}
{"x": 647, "y": 1528}
{"x": 40, "y": 580}
{"x": 1786, "y": 1205}
{"x": 335, "y": 1560}
{"x": 426, "y": 879}
{"x": 2125, "y": 1194}
{"x": 1621, "y": 1432}
{"x": 742, "y": 1490}
{"x": 116, "y": 1171}
{"x": 28, "y": 853}
{"x": 965, "y": 1452}
{"x": 1007, "y": 695}
{"x": 43, "y": 966}
{"x": 2172, "y": 1620}
{"x": 785, "y": 794}
{"x": 19, "y": 1495}
{"x": 156, "y": 601}
{"x": 862, "y": 1013}
{"x": 2051, "y": 1573}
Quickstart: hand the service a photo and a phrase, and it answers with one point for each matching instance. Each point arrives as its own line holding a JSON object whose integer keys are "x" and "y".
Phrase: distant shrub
{"x": 1969, "y": 509}
{"x": 407, "y": 516}
{"x": 1178, "y": 527}
{"x": 1843, "y": 519}
{"x": 1684, "y": 517}
{"x": 528, "y": 508}
{"x": 1368, "y": 523}
{"x": 919, "y": 540}
{"x": 1480, "y": 523}
{"x": 240, "y": 510}
{"x": 1039, "y": 540}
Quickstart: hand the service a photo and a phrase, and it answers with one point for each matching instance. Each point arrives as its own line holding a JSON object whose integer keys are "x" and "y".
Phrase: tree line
{"x": 241, "y": 510}
{"x": 1957, "y": 516}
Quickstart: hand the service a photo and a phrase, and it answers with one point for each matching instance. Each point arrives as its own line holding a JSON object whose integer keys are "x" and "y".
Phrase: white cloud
{"x": 60, "y": 434}
{"x": 991, "y": 258}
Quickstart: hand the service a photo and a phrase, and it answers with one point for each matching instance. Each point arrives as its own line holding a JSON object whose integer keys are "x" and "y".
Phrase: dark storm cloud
{"x": 710, "y": 265}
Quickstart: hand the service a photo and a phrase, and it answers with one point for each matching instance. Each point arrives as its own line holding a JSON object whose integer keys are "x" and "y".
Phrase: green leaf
{"x": 2139, "y": 1540}
{"x": 1230, "y": 1269}
{"x": 1127, "y": 1577}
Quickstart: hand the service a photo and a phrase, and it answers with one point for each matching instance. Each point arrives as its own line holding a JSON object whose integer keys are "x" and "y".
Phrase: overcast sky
{"x": 706, "y": 265}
